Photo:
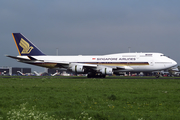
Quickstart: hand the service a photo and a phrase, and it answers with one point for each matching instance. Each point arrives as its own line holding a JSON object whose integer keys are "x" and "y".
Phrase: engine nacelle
{"x": 106, "y": 71}
{"x": 77, "y": 68}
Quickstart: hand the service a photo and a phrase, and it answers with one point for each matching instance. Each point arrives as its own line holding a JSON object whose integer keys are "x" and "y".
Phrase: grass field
{"x": 67, "y": 98}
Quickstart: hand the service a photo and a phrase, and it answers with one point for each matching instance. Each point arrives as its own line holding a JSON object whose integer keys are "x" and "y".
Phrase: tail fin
{"x": 24, "y": 46}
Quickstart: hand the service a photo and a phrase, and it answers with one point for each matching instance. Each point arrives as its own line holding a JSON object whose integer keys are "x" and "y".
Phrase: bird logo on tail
{"x": 26, "y": 47}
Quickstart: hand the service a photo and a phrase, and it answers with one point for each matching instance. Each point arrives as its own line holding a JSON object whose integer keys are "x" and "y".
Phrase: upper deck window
{"x": 165, "y": 56}
{"x": 146, "y": 55}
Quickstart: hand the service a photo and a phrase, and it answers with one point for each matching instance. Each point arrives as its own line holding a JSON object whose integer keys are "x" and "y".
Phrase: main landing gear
{"x": 96, "y": 75}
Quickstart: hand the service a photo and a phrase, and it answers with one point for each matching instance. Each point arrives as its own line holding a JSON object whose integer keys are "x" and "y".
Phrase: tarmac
{"x": 82, "y": 77}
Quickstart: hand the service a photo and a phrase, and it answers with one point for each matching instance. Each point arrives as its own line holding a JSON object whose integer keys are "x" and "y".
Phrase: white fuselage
{"x": 129, "y": 61}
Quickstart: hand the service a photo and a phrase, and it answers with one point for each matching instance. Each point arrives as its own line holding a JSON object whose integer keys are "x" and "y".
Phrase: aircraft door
{"x": 151, "y": 63}
{"x": 137, "y": 55}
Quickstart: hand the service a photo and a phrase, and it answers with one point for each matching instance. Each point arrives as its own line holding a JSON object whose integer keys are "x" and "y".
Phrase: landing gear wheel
{"x": 88, "y": 76}
{"x": 91, "y": 75}
{"x": 103, "y": 76}
{"x": 95, "y": 76}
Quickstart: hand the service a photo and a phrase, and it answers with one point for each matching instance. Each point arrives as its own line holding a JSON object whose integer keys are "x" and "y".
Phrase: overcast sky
{"x": 90, "y": 27}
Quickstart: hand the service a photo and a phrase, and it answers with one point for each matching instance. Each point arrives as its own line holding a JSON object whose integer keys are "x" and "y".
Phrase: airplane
{"x": 40, "y": 73}
{"x": 65, "y": 74}
{"x": 92, "y": 65}
{"x": 37, "y": 74}
{"x": 20, "y": 73}
{"x": 56, "y": 73}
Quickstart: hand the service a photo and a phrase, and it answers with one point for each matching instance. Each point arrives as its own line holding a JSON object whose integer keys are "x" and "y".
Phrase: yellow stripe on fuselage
{"x": 48, "y": 65}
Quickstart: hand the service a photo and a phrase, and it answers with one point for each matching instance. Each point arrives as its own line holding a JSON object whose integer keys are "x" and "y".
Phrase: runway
{"x": 83, "y": 77}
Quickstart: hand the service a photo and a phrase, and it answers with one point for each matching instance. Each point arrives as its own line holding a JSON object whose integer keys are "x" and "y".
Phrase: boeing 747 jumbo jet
{"x": 93, "y": 65}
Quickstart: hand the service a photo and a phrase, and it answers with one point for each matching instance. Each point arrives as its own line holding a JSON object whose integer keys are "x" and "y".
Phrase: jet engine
{"x": 77, "y": 68}
{"x": 106, "y": 71}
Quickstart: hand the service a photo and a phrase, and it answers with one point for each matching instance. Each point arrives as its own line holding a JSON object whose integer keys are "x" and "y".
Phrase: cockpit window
{"x": 165, "y": 56}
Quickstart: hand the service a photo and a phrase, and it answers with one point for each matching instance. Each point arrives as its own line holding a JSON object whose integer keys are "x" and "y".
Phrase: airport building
{"x": 13, "y": 70}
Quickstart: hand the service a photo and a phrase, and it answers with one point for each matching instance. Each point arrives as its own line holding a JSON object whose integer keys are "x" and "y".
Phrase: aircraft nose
{"x": 174, "y": 63}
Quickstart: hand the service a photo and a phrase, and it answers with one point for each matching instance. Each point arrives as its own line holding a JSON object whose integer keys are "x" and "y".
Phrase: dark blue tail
{"x": 24, "y": 46}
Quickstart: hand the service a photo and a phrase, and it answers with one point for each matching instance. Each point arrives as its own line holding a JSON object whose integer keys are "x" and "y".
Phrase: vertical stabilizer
{"x": 24, "y": 46}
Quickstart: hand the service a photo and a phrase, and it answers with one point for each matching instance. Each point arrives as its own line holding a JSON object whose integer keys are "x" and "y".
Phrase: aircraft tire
{"x": 95, "y": 76}
{"x": 89, "y": 76}
{"x": 103, "y": 76}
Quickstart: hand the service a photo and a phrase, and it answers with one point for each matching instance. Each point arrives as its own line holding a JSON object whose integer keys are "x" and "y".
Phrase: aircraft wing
{"x": 92, "y": 66}
{"x": 66, "y": 65}
{"x": 123, "y": 68}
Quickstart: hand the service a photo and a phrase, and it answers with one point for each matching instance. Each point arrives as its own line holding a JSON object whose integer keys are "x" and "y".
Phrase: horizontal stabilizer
{"x": 18, "y": 58}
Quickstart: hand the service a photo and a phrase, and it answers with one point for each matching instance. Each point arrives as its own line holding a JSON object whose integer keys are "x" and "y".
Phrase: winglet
{"x": 24, "y": 46}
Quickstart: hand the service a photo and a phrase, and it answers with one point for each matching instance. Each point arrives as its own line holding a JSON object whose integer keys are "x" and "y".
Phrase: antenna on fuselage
{"x": 129, "y": 49}
{"x": 57, "y": 51}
